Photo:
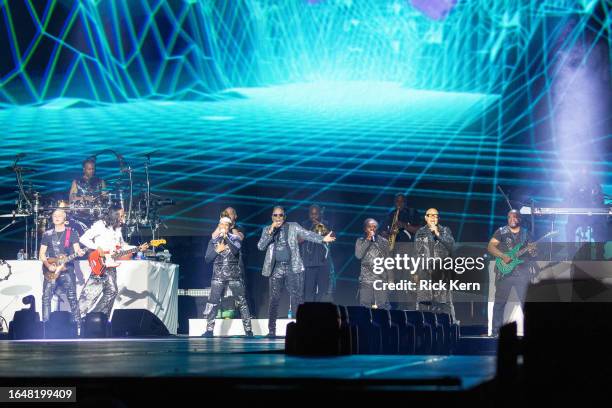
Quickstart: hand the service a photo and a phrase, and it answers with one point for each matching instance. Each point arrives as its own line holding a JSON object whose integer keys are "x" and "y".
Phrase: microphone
{"x": 18, "y": 157}
{"x": 432, "y": 230}
{"x": 124, "y": 167}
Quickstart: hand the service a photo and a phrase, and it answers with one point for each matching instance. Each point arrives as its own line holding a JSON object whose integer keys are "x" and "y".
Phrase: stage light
{"x": 30, "y": 300}
{"x": 218, "y": 118}
{"x": 26, "y": 323}
{"x": 434, "y": 9}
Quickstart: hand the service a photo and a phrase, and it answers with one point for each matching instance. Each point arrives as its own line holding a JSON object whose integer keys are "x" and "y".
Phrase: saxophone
{"x": 394, "y": 230}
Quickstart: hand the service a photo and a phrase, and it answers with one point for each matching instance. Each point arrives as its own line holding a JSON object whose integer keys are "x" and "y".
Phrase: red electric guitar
{"x": 99, "y": 261}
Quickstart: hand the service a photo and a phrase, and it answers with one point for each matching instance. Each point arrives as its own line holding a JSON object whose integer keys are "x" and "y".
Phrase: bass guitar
{"x": 100, "y": 260}
{"x": 515, "y": 253}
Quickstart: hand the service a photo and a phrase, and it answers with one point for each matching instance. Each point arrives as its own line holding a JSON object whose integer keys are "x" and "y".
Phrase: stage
{"x": 412, "y": 131}
{"x": 239, "y": 360}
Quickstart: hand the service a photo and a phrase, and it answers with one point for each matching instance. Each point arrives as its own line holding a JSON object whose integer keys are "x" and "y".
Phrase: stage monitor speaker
{"x": 95, "y": 325}
{"x": 60, "y": 326}
{"x": 136, "y": 323}
{"x": 26, "y": 324}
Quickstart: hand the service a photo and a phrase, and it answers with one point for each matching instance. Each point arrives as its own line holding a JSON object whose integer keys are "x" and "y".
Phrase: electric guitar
{"x": 59, "y": 263}
{"x": 515, "y": 253}
{"x": 100, "y": 260}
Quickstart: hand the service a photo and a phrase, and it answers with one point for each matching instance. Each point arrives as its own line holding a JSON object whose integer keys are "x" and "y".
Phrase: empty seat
{"x": 389, "y": 331}
{"x": 407, "y": 331}
{"x": 423, "y": 332}
{"x": 439, "y": 345}
{"x": 369, "y": 335}
{"x": 445, "y": 321}
{"x": 348, "y": 333}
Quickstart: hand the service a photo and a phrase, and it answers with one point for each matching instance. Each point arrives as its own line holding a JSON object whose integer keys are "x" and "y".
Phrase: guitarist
{"x": 105, "y": 236}
{"x": 504, "y": 239}
{"x": 56, "y": 242}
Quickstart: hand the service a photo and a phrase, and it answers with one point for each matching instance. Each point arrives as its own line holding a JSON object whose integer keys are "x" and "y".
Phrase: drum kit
{"x": 140, "y": 204}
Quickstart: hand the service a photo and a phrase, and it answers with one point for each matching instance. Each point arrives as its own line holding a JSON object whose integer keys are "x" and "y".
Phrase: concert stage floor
{"x": 234, "y": 358}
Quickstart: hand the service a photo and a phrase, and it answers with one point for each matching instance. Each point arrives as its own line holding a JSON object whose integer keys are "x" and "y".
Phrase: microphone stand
{"x": 129, "y": 214}
{"x": 505, "y": 197}
{"x": 23, "y": 197}
{"x": 148, "y": 197}
{"x": 13, "y": 222}
{"x": 125, "y": 168}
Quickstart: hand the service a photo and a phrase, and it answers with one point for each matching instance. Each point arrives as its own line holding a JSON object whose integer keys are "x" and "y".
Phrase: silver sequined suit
{"x": 290, "y": 274}
{"x": 367, "y": 251}
{"x": 429, "y": 246}
{"x": 226, "y": 272}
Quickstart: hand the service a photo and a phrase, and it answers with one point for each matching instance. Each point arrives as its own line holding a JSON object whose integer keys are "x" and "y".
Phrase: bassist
{"x": 57, "y": 242}
{"x": 505, "y": 239}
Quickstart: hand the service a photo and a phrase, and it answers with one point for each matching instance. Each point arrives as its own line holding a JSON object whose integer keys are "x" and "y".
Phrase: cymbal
{"x": 118, "y": 183}
{"x": 14, "y": 215}
{"x": 122, "y": 178}
{"x": 125, "y": 187}
{"x": 23, "y": 170}
{"x": 115, "y": 178}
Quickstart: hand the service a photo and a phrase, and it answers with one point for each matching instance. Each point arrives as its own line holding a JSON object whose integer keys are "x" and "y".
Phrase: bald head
{"x": 514, "y": 218}
{"x": 370, "y": 225}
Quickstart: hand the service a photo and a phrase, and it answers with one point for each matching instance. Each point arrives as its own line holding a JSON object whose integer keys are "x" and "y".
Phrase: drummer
{"x": 88, "y": 188}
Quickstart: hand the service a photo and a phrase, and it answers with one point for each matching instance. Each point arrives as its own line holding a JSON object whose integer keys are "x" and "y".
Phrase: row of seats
{"x": 329, "y": 329}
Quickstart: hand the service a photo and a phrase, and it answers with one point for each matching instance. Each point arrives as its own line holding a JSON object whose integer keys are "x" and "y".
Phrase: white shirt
{"x": 107, "y": 238}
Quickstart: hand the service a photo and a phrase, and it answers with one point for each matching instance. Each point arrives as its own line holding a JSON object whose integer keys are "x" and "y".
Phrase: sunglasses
{"x": 432, "y": 215}
{"x": 278, "y": 215}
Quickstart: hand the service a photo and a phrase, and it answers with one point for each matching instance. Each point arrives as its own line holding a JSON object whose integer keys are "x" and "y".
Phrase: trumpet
{"x": 320, "y": 228}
